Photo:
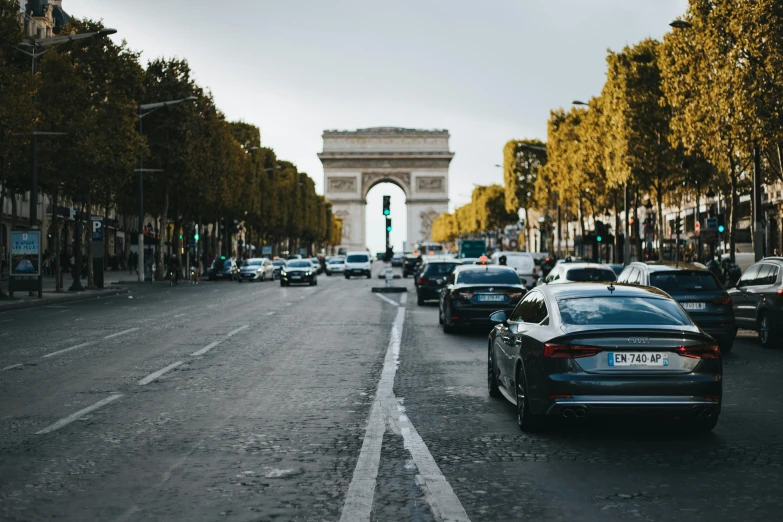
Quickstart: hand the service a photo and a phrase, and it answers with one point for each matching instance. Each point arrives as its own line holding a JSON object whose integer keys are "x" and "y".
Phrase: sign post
{"x": 98, "y": 251}
{"x": 25, "y": 262}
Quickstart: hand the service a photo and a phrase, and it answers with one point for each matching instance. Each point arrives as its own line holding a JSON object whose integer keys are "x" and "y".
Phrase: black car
{"x": 298, "y": 271}
{"x": 696, "y": 289}
{"x": 474, "y": 291}
{"x": 432, "y": 277}
{"x": 758, "y": 299}
{"x": 223, "y": 268}
{"x": 409, "y": 264}
{"x": 597, "y": 349}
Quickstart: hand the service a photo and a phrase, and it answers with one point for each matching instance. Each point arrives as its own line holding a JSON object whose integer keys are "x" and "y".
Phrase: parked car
{"x": 358, "y": 264}
{"x": 618, "y": 269}
{"x": 298, "y": 271}
{"x": 523, "y": 263}
{"x": 696, "y": 289}
{"x": 472, "y": 292}
{"x": 316, "y": 264}
{"x": 432, "y": 278}
{"x": 580, "y": 273}
{"x": 409, "y": 264}
{"x": 335, "y": 265}
{"x": 757, "y": 301}
{"x": 223, "y": 268}
{"x": 593, "y": 349}
{"x": 256, "y": 269}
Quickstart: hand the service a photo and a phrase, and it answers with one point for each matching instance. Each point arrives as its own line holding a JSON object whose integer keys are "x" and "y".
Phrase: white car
{"x": 335, "y": 265}
{"x": 522, "y": 262}
{"x": 257, "y": 269}
{"x": 358, "y": 264}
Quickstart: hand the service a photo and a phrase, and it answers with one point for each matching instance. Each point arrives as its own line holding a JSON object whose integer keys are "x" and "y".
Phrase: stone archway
{"x": 415, "y": 160}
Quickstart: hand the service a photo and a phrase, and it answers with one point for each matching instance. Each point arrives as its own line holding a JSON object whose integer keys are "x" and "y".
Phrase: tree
{"x": 522, "y": 162}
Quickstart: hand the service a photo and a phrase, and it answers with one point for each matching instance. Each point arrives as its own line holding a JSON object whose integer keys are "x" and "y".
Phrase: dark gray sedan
{"x": 589, "y": 349}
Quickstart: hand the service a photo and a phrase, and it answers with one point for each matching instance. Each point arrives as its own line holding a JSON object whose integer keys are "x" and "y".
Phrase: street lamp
{"x": 35, "y": 45}
{"x": 76, "y": 271}
{"x": 146, "y": 110}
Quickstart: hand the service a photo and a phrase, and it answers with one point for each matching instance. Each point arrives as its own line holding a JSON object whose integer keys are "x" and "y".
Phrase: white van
{"x": 358, "y": 264}
{"x": 522, "y": 262}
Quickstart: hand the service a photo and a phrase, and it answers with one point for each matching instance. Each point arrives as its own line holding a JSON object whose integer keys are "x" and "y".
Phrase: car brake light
{"x": 780, "y": 293}
{"x": 465, "y": 295}
{"x": 722, "y": 301}
{"x": 567, "y": 351}
{"x": 699, "y": 352}
{"x": 515, "y": 295}
{"x": 423, "y": 281}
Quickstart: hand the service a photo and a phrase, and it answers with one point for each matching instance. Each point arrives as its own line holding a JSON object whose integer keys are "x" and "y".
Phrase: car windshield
{"x": 358, "y": 258}
{"x": 222, "y": 263}
{"x": 684, "y": 280}
{"x": 253, "y": 262}
{"x": 299, "y": 264}
{"x": 336, "y": 261}
{"x": 488, "y": 277}
{"x": 278, "y": 263}
{"x": 590, "y": 274}
{"x": 439, "y": 268}
{"x": 621, "y": 310}
{"x": 519, "y": 262}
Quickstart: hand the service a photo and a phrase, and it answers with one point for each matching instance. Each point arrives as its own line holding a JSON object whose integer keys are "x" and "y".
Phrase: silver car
{"x": 257, "y": 269}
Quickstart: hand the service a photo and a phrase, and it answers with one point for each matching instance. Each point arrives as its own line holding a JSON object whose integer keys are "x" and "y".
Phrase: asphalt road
{"x": 229, "y": 401}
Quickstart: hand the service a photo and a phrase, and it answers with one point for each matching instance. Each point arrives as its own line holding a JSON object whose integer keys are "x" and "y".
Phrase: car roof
{"x": 569, "y": 266}
{"x": 487, "y": 267}
{"x": 598, "y": 289}
{"x": 443, "y": 260}
{"x": 654, "y": 266}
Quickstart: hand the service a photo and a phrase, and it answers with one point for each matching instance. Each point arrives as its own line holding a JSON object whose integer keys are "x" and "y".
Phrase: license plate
{"x": 693, "y": 306}
{"x": 296, "y": 277}
{"x": 638, "y": 359}
{"x": 490, "y": 298}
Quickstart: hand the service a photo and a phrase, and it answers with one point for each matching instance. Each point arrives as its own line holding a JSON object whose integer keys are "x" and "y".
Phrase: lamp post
{"x": 39, "y": 46}
{"x": 146, "y": 110}
{"x": 648, "y": 217}
{"x": 76, "y": 271}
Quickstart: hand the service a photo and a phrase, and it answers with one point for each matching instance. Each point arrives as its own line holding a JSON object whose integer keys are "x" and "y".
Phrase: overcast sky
{"x": 486, "y": 71}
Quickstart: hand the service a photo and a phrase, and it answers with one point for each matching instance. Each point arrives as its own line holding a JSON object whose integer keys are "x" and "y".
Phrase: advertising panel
{"x": 25, "y": 253}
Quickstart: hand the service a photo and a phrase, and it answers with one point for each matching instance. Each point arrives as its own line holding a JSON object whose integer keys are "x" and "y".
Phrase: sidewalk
{"x": 21, "y": 300}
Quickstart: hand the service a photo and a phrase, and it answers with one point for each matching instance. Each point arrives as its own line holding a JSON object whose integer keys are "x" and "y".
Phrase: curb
{"x": 67, "y": 299}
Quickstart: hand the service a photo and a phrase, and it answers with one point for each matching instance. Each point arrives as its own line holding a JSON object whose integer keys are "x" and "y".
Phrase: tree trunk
{"x": 617, "y": 248}
{"x": 160, "y": 270}
{"x": 659, "y": 197}
{"x": 733, "y": 215}
{"x": 57, "y": 239}
{"x": 14, "y": 211}
{"x": 88, "y": 244}
{"x": 126, "y": 244}
{"x": 639, "y": 240}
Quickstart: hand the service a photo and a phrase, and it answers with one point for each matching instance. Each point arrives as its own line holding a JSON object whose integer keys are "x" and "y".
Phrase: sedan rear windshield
{"x": 336, "y": 261}
{"x": 590, "y": 274}
{"x": 300, "y": 264}
{"x": 278, "y": 263}
{"x": 488, "y": 277}
{"x": 253, "y": 262}
{"x": 433, "y": 269}
{"x": 357, "y": 258}
{"x": 520, "y": 262}
{"x": 683, "y": 280}
{"x": 622, "y": 311}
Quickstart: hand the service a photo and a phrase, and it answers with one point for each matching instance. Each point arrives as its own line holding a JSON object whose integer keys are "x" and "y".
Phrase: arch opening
{"x": 375, "y": 222}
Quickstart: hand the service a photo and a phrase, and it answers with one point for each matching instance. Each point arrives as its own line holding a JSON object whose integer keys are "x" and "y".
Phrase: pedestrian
{"x": 502, "y": 261}
{"x": 47, "y": 264}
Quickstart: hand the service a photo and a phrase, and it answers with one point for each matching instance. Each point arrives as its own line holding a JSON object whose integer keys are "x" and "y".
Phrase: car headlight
{"x": 282, "y": 272}
{"x": 307, "y": 273}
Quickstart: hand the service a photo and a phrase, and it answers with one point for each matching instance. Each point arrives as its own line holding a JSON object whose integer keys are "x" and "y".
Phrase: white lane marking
{"x": 58, "y": 352}
{"x": 129, "y": 330}
{"x": 270, "y": 313}
{"x": 288, "y": 304}
{"x": 390, "y": 301}
{"x": 179, "y": 315}
{"x": 5, "y": 321}
{"x": 17, "y": 365}
{"x": 403, "y": 299}
{"x": 215, "y": 343}
{"x": 438, "y": 492}
{"x": 151, "y": 377}
{"x": 69, "y": 419}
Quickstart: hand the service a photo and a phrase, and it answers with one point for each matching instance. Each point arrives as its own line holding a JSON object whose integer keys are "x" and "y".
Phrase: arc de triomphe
{"x": 417, "y": 161}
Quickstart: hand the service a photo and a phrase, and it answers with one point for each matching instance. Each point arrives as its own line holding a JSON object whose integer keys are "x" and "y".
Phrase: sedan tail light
{"x": 464, "y": 295}
{"x": 699, "y": 352}
{"x": 568, "y": 351}
{"x": 515, "y": 295}
{"x": 423, "y": 281}
{"x": 722, "y": 301}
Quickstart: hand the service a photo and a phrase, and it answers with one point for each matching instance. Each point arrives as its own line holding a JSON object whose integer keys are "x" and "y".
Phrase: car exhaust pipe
{"x": 568, "y": 413}
{"x": 580, "y": 413}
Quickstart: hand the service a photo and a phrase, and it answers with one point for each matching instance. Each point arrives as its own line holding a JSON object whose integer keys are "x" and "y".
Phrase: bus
{"x": 471, "y": 248}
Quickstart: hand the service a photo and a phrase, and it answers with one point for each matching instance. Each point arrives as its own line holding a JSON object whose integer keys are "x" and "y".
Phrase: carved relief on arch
{"x": 427, "y": 218}
{"x": 344, "y": 215}
{"x": 401, "y": 179}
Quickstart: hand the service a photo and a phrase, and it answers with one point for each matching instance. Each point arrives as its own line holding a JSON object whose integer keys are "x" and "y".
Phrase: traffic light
{"x": 599, "y": 238}
{"x": 678, "y": 225}
{"x": 721, "y": 223}
{"x": 388, "y": 224}
{"x": 386, "y": 205}
{"x": 195, "y": 236}
{"x": 180, "y": 237}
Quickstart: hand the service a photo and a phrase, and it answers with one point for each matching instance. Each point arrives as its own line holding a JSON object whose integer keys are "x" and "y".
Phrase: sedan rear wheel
{"x": 526, "y": 421}
{"x": 766, "y": 337}
{"x": 704, "y": 425}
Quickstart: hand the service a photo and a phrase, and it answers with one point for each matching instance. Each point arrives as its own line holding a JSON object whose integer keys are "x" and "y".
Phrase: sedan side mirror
{"x": 498, "y": 317}
{"x": 540, "y": 281}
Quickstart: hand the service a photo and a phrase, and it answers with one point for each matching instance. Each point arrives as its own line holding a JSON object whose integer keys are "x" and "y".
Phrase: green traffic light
{"x": 721, "y": 228}
{"x": 388, "y": 229}
{"x": 196, "y": 237}
{"x": 386, "y": 212}
{"x": 180, "y": 237}
{"x": 599, "y": 239}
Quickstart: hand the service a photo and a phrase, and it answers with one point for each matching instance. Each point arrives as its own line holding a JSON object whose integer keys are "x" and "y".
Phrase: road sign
{"x": 712, "y": 223}
{"x": 697, "y": 228}
{"x": 266, "y": 250}
{"x": 97, "y": 228}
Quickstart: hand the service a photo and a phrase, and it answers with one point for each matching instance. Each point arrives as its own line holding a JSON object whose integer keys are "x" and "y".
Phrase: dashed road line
{"x": 270, "y": 313}
{"x": 151, "y": 377}
{"x": 403, "y": 299}
{"x": 215, "y": 343}
{"x": 81, "y": 413}
{"x": 390, "y": 301}
{"x": 17, "y": 365}
{"x": 129, "y": 330}
{"x": 179, "y": 315}
{"x": 58, "y": 352}
{"x": 438, "y": 492}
